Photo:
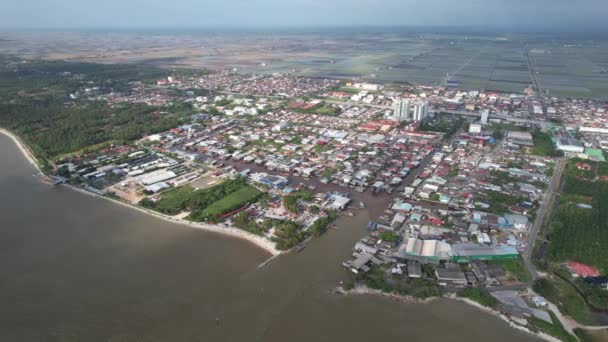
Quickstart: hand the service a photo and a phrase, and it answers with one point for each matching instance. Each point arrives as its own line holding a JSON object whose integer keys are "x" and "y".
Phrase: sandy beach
{"x": 226, "y": 230}
{"x": 23, "y": 148}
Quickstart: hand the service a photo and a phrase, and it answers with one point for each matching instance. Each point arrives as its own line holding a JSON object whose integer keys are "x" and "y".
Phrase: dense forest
{"x": 52, "y": 129}
{"x": 35, "y": 103}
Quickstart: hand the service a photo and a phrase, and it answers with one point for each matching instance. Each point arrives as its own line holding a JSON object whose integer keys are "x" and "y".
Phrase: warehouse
{"x": 450, "y": 275}
{"x": 465, "y": 252}
{"x": 520, "y": 138}
{"x": 425, "y": 251}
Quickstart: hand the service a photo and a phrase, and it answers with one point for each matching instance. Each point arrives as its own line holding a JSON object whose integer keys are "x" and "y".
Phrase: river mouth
{"x": 78, "y": 268}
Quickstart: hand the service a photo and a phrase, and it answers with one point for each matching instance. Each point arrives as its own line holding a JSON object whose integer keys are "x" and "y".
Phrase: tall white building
{"x": 421, "y": 111}
{"x": 401, "y": 109}
{"x": 484, "y": 116}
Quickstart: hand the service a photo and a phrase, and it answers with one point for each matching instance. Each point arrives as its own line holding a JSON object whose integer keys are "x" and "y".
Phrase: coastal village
{"x": 457, "y": 182}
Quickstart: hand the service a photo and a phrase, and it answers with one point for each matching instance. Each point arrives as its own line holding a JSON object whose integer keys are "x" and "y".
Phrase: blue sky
{"x": 567, "y": 14}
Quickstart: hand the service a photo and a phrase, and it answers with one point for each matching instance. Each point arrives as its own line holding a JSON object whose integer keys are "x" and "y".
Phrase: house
{"x": 339, "y": 202}
{"x": 581, "y": 270}
{"x": 517, "y": 221}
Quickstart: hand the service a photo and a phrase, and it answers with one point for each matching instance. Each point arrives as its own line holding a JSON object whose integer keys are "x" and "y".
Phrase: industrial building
{"x": 520, "y": 138}
{"x": 275, "y": 182}
{"x": 565, "y": 141}
{"x": 425, "y": 251}
{"x": 465, "y": 252}
{"x": 450, "y": 274}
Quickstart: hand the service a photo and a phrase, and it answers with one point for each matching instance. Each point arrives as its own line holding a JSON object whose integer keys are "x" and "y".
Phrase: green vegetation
{"x": 321, "y": 108}
{"x": 556, "y": 329}
{"x": 565, "y": 297}
{"x": 34, "y": 103}
{"x": 330, "y": 171}
{"x": 171, "y": 202}
{"x": 321, "y": 224}
{"x": 499, "y": 129}
{"x": 291, "y": 200}
{"x": 243, "y": 221}
{"x": 443, "y": 125}
{"x": 453, "y": 172}
{"x": 388, "y": 236}
{"x": 349, "y": 90}
{"x": 205, "y": 204}
{"x": 288, "y": 234}
{"x": 233, "y": 201}
{"x": 515, "y": 267}
{"x": 500, "y": 202}
{"x": 577, "y": 233}
{"x": 51, "y": 129}
{"x": 379, "y": 278}
{"x": 596, "y": 296}
{"x": 502, "y": 177}
{"x": 543, "y": 145}
{"x": 479, "y": 295}
{"x": 582, "y": 335}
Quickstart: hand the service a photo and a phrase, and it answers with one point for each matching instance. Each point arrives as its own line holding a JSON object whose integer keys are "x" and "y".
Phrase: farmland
{"x": 564, "y": 66}
{"x": 581, "y": 233}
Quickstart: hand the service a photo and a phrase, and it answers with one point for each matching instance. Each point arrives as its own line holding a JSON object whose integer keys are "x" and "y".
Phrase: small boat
{"x": 361, "y": 205}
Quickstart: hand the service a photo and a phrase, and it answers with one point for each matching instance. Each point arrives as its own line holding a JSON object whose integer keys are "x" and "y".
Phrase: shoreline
{"x": 260, "y": 242}
{"x": 25, "y": 150}
{"x": 364, "y": 290}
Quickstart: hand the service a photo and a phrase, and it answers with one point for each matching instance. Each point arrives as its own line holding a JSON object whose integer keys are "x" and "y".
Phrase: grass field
{"x": 172, "y": 201}
{"x": 233, "y": 201}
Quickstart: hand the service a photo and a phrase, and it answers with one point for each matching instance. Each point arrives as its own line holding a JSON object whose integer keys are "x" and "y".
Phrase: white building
{"x": 401, "y": 110}
{"x": 484, "y": 116}
{"x": 367, "y": 86}
{"x": 475, "y": 128}
{"x": 421, "y": 111}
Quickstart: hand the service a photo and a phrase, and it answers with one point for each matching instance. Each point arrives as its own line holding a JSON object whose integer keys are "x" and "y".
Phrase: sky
{"x": 571, "y": 15}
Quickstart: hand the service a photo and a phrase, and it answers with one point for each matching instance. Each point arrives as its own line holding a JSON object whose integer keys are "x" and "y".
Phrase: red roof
{"x": 583, "y": 270}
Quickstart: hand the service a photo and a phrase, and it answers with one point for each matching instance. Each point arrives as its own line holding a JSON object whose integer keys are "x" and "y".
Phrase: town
{"x": 461, "y": 184}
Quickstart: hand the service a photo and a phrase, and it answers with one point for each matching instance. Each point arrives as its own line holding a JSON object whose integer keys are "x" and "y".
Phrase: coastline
{"x": 25, "y": 150}
{"x": 364, "y": 290}
{"x": 225, "y": 230}
{"x": 498, "y": 314}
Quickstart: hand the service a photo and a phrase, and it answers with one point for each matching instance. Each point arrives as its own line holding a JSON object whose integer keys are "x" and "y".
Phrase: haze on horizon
{"x": 562, "y": 15}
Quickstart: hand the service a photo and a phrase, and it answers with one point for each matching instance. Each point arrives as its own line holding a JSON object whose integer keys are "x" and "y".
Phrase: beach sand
{"x": 259, "y": 241}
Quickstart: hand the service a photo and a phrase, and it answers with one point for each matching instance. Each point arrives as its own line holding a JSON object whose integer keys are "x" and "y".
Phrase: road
{"x": 545, "y": 208}
{"x": 533, "y": 72}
